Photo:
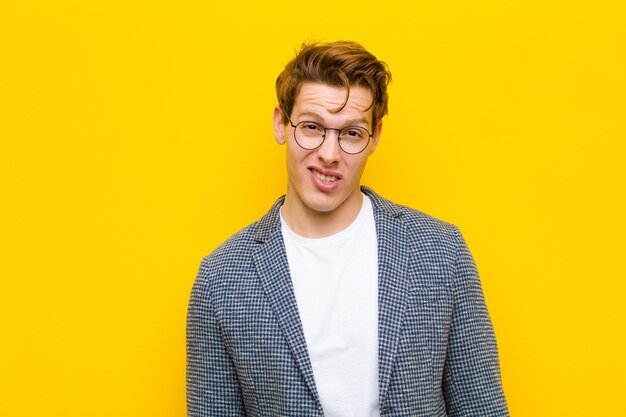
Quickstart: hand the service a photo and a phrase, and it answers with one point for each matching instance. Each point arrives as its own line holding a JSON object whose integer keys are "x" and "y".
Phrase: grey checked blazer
{"x": 246, "y": 352}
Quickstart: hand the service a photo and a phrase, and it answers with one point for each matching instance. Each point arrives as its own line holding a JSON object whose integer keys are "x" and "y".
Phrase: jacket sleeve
{"x": 472, "y": 384}
{"x": 212, "y": 386}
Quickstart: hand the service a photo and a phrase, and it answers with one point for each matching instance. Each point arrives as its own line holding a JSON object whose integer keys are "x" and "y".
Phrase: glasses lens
{"x": 353, "y": 139}
{"x": 309, "y": 135}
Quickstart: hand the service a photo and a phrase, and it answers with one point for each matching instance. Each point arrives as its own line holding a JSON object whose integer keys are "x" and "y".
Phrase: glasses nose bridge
{"x": 326, "y": 129}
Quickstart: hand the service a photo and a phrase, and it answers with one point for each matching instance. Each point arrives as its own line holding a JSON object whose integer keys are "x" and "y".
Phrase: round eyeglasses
{"x": 310, "y": 135}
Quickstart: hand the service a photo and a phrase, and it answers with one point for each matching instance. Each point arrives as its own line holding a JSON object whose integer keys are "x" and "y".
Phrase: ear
{"x": 377, "y": 132}
{"x": 279, "y": 127}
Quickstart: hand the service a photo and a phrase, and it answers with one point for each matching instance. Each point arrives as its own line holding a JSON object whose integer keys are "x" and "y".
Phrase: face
{"x": 326, "y": 179}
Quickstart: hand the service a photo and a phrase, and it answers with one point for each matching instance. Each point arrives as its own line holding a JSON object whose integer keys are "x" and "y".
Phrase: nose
{"x": 329, "y": 151}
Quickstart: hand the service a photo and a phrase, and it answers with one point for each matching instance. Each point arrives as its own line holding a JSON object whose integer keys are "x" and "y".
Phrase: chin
{"x": 322, "y": 206}
{"x": 325, "y": 203}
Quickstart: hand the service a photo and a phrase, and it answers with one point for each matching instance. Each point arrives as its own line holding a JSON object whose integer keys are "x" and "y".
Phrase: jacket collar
{"x": 270, "y": 222}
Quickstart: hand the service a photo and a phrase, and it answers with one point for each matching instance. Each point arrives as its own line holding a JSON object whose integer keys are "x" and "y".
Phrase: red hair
{"x": 339, "y": 64}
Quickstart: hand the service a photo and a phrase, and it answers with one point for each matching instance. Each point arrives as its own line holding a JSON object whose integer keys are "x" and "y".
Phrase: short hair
{"x": 339, "y": 64}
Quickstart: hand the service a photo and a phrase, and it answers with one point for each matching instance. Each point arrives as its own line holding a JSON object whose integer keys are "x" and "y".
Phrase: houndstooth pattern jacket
{"x": 246, "y": 352}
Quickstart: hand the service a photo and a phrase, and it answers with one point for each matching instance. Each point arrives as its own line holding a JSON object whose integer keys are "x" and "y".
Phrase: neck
{"x": 311, "y": 223}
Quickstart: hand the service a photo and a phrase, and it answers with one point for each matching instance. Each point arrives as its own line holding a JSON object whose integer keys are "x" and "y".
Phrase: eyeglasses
{"x": 310, "y": 135}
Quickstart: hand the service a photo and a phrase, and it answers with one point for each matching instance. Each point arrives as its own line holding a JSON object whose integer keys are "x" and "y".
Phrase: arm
{"x": 212, "y": 386}
{"x": 471, "y": 379}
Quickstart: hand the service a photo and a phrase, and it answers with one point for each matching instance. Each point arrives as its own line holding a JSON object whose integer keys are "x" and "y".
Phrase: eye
{"x": 353, "y": 133}
{"x": 311, "y": 128}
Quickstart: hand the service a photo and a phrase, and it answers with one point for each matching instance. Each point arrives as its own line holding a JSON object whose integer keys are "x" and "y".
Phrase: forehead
{"x": 324, "y": 100}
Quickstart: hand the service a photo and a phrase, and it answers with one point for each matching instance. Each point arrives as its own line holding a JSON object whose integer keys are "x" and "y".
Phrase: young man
{"x": 338, "y": 302}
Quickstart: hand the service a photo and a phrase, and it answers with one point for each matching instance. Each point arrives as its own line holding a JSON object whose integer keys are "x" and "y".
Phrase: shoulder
{"x": 235, "y": 247}
{"x": 435, "y": 250}
{"x": 420, "y": 227}
{"x": 234, "y": 257}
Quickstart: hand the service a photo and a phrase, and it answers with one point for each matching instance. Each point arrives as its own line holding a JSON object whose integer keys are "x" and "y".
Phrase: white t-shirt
{"x": 335, "y": 279}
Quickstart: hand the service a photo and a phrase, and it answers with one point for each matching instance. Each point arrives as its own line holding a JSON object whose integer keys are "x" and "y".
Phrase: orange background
{"x": 136, "y": 136}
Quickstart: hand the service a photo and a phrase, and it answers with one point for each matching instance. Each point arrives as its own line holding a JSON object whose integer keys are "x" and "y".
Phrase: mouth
{"x": 326, "y": 179}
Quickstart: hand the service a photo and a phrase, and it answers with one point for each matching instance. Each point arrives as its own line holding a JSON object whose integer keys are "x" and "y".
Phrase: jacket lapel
{"x": 272, "y": 266}
{"x": 392, "y": 285}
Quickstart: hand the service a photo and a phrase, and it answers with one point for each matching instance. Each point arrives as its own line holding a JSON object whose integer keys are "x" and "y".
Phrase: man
{"x": 338, "y": 302}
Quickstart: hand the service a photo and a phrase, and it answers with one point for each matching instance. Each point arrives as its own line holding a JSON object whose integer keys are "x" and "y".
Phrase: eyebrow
{"x": 352, "y": 122}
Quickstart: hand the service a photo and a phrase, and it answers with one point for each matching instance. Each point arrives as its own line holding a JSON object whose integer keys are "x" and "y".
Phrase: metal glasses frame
{"x": 295, "y": 126}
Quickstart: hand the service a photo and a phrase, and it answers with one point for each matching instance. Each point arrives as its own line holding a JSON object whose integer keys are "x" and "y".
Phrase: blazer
{"x": 246, "y": 352}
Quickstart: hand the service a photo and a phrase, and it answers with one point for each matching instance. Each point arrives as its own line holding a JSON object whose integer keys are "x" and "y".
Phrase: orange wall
{"x": 136, "y": 136}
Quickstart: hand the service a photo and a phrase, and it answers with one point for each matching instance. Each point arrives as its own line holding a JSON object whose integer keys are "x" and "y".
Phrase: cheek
{"x": 357, "y": 166}
{"x": 295, "y": 160}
